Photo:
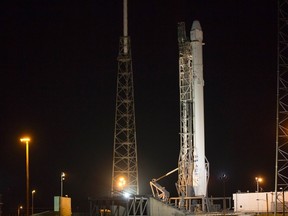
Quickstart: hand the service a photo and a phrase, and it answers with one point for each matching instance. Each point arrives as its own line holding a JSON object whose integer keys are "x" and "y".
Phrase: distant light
{"x": 63, "y": 176}
{"x": 25, "y": 139}
{"x": 105, "y": 211}
{"x": 258, "y": 179}
{"x": 121, "y": 182}
{"x": 126, "y": 194}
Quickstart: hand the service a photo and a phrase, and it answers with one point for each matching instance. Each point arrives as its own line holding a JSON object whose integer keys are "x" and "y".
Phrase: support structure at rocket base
{"x": 193, "y": 168}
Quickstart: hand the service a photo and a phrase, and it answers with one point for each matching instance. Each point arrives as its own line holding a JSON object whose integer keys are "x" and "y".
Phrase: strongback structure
{"x": 185, "y": 162}
{"x": 125, "y": 164}
{"x": 281, "y": 168}
{"x": 192, "y": 165}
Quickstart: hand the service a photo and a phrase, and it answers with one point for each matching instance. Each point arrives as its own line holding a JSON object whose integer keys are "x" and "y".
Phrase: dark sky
{"x": 58, "y": 84}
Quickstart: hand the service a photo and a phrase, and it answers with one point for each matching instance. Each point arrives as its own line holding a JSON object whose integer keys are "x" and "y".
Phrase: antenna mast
{"x": 125, "y": 164}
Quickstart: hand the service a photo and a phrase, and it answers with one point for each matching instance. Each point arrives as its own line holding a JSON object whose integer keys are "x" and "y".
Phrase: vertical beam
{"x": 125, "y": 18}
{"x": 125, "y": 25}
{"x": 281, "y": 157}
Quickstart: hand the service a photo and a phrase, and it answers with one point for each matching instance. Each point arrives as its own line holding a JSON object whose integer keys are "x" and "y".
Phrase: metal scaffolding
{"x": 282, "y": 93}
{"x": 125, "y": 149}
{"x": 281, "y": 167}
{"x": 185, "y": 162}
{"x": 125, "y": 164}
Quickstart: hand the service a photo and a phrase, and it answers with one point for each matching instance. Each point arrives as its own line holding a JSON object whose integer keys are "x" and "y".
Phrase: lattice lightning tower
{"x": 281, "y": 169}
{"x": 125, "y": 165}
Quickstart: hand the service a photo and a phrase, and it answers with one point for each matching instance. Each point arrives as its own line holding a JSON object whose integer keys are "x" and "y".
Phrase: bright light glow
{"x": 121, "y": 182}
{"x": 105, "y": 211}
{"x": 33, "y": 191}
{"x": 126, "y": 194}
{"x": 63, "y": 176}
{"x": 258, "y": 179}
{"x": 25, "y": 139}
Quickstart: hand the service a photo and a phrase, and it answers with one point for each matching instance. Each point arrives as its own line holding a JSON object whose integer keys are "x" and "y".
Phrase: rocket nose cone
{"x": 196, "y": 25}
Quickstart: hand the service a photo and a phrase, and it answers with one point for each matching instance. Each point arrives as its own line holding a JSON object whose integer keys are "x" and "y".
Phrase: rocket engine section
{"x": 193, "y": 168}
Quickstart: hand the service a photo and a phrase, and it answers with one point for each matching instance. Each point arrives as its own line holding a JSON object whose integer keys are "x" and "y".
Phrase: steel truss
{"x": 282, "y": 92}
{"x": 281, "y": 168}
{"x": 185, "y": 161}
{"x": 125, "y": 147}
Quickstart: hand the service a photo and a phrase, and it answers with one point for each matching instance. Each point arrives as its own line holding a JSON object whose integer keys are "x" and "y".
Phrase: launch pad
{"x": 147, "y": 205}
{"x": 193, "y": 166}
{"x": 119, "y": 205}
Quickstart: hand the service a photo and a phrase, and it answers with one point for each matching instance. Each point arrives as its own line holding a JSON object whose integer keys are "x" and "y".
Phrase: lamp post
{"x": 19, "y": 209}
{"x": 26, "y": 140}
{"x": 32, "y": 201}
{"x": 62, "y": 179}
{"x": 258, "y": 180}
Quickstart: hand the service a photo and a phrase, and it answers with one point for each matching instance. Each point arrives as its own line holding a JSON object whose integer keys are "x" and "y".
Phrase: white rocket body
{"x": 200, "y": 170}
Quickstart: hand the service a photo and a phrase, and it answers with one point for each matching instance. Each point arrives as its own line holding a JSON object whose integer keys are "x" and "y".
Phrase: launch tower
{"x": 192, "y": 165}
{"x": 125, "y": 165}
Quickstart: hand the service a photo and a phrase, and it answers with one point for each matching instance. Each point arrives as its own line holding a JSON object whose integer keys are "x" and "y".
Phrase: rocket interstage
{"x": 193, "y": 168}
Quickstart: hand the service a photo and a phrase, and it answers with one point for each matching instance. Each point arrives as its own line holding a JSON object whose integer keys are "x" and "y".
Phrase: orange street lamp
{"x": 26, "y": 140}
{"x": 258, "y": 180}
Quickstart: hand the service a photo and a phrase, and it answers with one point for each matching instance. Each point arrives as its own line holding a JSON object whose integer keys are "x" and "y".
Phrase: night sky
{"x": 58, "y": 84}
